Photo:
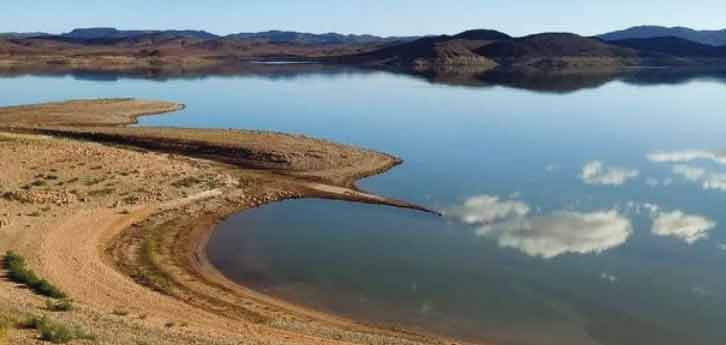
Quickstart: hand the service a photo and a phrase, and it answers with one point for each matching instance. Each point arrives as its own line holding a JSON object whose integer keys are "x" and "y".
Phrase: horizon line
{"x": 347, "y": 33}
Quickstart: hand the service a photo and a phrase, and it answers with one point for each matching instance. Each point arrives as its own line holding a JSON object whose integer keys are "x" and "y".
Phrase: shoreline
{"x": 197, "y": 294}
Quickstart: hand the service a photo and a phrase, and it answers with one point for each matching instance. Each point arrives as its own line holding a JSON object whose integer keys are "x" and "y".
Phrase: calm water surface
{"x": 578, "y": 210}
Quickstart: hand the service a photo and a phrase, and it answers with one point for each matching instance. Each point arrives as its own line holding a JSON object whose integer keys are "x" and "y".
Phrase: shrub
{"x": 101, "y": 192}
{"x": 21, "y": 274}
{"x": 55, "y": 332}
{"x": 120, "y": 312}
{"x": 62, "y": 305}
{"x": 186, "y": 182}
{"x": 5, "y": 326}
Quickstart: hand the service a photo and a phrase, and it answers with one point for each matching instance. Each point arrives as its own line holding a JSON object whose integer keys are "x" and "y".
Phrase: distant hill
{"x": 99, "y": 34}
{"x": 102, "y": 33}
{"x": 430, "y": 51}
{"x": 10, "y": 35}
{"x": 482, "y": 35}
{"x": 275, "y": 36}
{"x": 550, "y": 45}
{"x": 111, "y": 36}
{"x": 470, "y": 51}
{"x": 130, "y": 38}
{"x": 710, "y": 37}
{"x": 673, "y": 46}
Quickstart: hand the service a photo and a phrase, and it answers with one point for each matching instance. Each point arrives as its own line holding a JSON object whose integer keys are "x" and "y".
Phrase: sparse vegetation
{"x": 61, "y": 305}
{"x": 101, "y": 192}
{"x": 94, "y": 181}
{"x": 186, "y": 182}
{"x": 120, "y": 312}
{"x": 21, "y": 274}
{"x": 39, "y": 183}
{"x": 6, "y": 323}
{"x": 55, "y": 332}
{"x": 150, "y": 276}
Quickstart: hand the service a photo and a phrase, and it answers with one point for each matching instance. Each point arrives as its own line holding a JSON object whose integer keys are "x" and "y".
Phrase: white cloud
{"x": 563, "y": 232}
{"x": 550, "y": 168}
{"x": 722, "y": 246}
{"x": 608, "y": 277}
{"x": 510, "y": 224}
{"x": 486, "y": 209}
{"x": 652, "y": 208}
{"x": 678, "y": 224}
{"x": 700, "y": 291}
{"x": 596, "y": 172}
{"x": 715, "y": 181}
{"x": 651, "y": 181}
{"x": 687, "y": 156}
{"x": 687, "y": 227}
{"x": 689, "y": 172}
{"x": 708, "y": 180}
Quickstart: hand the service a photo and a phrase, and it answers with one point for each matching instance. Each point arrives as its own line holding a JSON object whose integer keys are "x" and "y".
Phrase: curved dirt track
{"x": 80, "y": 212}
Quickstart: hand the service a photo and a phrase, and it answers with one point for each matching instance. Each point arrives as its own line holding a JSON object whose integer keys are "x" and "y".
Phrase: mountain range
{"x": 710, "y": 37}
{"x": 470, "y": 50}
{"x": 639, "y": 46}
{"x": 112, "y": 35}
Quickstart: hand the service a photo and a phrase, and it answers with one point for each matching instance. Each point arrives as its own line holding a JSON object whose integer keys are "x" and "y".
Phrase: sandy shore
{"x": 118, "y": 219}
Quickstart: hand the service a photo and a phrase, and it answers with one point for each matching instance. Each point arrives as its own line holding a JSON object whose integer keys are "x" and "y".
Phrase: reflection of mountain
{"x": 533, "y": 80}
{"x": 561, "y": 81}
{"x": 673, "y": 76}
{"x": 277, "y": 71}
{"x": 570, "y": 81}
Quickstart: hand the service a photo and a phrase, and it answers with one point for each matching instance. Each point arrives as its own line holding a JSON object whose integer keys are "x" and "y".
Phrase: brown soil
{"x": 120, "y": 224}
{"x": 108, "y": 112}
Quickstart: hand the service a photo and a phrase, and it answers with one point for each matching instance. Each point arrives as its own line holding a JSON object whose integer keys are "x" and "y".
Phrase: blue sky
{"x": 391, "y": 17}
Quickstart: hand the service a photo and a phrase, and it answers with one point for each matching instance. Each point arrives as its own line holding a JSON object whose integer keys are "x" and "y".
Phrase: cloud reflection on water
{"x": 709, "y": 180}
{"x": 512, "y": 225}
{"x": 596, "y": 172}
{"x": 685, "y": 156}
{"x": 547, "y": 236}
{"x": 687, "y": 227}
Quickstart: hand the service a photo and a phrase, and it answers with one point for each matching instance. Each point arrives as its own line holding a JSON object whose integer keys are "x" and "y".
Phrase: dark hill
{"x": 552, "y": 45}
{"x": 482, "y": 35}
{"x": 673, "y": 46}
{"x": 85, "y": 34}
{"x": 710, "y": 37}
{"x": 434, "y": 51}
{"x": 111, "y": 36}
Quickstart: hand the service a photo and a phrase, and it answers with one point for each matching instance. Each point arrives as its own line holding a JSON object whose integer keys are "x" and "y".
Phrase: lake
{"x": 579, "y": 209}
